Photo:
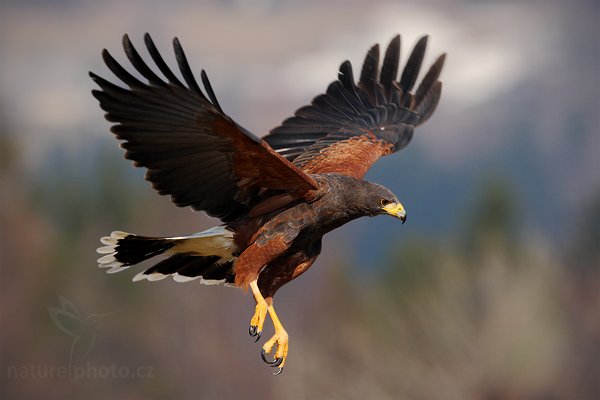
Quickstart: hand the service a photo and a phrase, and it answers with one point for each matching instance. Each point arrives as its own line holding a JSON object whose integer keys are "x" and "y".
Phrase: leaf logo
{"x": 82, "y": 330}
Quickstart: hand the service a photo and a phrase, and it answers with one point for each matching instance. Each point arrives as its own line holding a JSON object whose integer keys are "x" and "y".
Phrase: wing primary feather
{"x": 139, "y": 64}
{"x": 413, "y": 65}
{"x": 318, "y": 113}
{"x": 119, "y": 71}
{"x": 209, "y": 90}
{"x": 346, "y": 76}
{"x": 430, "y": 78}
{"x": 160, "y": 62}
{"x": 184, "y": 67}
{"x": 429, "y": 102}
{"x": 368, "y": 74}
{"x": 340, "y": 89}
{"x": 107, "y": 86}
{"x": 344, "y": 103}
{"x": 389, "y": 69}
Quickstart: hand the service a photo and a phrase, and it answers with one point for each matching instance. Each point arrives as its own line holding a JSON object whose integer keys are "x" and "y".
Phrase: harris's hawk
{"x": 276, "y": 196}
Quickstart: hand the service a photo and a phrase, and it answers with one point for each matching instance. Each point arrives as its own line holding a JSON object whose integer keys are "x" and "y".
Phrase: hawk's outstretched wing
{"x": 193, "y": 151}
{"x": 346, "y": 129}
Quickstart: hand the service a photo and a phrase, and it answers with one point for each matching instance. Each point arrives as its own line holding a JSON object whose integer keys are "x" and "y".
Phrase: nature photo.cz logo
{"x": 82, "y": 332}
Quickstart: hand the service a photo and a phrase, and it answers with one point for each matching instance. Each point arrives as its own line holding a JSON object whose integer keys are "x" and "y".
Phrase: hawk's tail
{"x": 207, "y": 256}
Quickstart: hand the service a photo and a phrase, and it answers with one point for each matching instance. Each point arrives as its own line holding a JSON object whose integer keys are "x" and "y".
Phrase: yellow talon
{"x": 260, "y": 312}
{"x": 258, "y": 320}
{"x": 280, "y": 338}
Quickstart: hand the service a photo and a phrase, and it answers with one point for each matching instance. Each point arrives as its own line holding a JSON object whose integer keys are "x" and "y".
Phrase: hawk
{"x": 277, "y": 196}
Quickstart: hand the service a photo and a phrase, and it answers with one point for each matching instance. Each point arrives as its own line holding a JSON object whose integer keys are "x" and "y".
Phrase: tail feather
{"x": 207, "y": 256}
{"x": 124, "y": 250}
{"x": 185, "y": 267}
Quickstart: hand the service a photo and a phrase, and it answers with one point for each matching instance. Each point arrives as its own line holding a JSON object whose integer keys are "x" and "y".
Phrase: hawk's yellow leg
{"x": 280, "y": 338}
{"x": 260, "y": 313}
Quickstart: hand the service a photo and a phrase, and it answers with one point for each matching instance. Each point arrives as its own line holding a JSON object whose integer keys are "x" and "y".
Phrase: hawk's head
{"x": 375, "y": 199}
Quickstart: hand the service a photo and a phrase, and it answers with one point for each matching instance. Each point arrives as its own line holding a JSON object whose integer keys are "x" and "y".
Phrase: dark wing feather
{"x": 349, "y": 127}
{"x": 413, "y": 66}
{"x": 368, "y": 75}
{"x": 389, "y": 69}
{"x": 193, "y": 151}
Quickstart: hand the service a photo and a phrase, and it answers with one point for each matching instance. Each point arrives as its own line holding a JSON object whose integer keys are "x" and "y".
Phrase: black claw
{"x": 278, "y": 372}
{"x": 252, "y": 330}
{"x": 278, "y": 362}
{"x": 275, "y": 363}
{"x": 264, "y": 357}
{"x": 258, "y": 336}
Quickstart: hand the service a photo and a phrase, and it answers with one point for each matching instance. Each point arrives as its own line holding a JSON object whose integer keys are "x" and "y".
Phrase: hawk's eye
{"x": 385, "y": 202}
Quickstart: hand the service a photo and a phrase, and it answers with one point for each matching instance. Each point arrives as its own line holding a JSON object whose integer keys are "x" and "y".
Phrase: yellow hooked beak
{"x": 395, "y": 210}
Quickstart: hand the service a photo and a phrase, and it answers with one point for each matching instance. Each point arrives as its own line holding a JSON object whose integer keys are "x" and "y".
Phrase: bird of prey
{"x": 276, "y": 196}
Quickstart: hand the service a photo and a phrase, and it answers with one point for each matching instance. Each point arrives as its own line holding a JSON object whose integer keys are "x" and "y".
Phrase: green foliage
{"x": 493, "y": 218}
{"x": 412, "y": 267}
{"x": 586, "y": 248}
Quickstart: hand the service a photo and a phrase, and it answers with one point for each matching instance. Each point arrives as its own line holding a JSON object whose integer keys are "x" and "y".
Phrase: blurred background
{"x": 490, "y": 291}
